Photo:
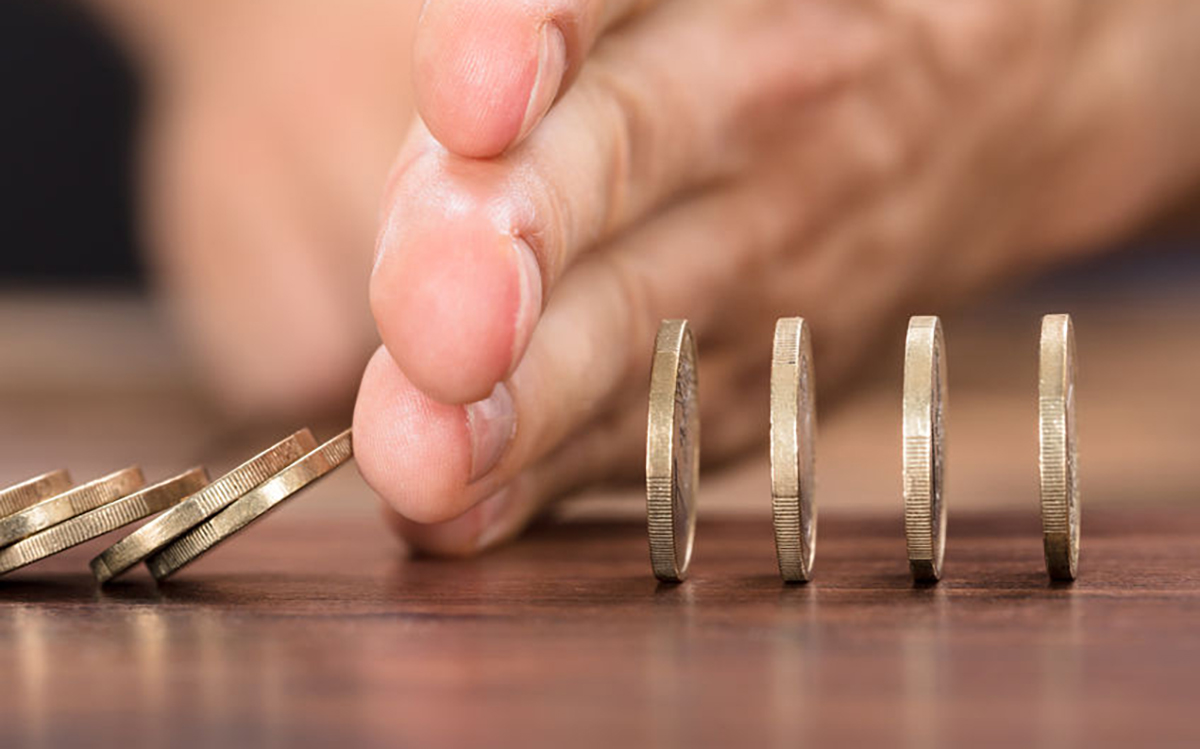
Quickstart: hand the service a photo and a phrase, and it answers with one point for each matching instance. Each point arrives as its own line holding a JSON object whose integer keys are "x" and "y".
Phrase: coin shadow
{"x": 192, "y": 591}
{"x": 130, "y": 591}
{"x": 770, "y": 582}
{"x": 1060, "y": 586}
{"x": 1026, "y": 580}
{"x": 902, "y": 581}
{"x": 49, "y": 589}
{"x": 797, "y": 594}
{"x": 668, "y": 593}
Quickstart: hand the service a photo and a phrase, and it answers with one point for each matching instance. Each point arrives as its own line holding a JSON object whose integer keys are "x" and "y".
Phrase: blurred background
{"x": 71, "y": 106}
{"x": 93, "y": 366}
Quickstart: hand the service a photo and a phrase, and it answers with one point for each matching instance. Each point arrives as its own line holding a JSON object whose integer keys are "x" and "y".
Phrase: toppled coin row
{"x": 45, "y": 515}
{"x": 673, "y": 445}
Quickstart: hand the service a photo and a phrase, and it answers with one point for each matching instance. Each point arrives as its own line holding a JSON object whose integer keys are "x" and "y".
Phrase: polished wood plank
{"x": 301, "y": 634}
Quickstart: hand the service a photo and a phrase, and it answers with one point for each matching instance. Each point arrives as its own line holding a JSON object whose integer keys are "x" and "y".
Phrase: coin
{"x": 181, "y": 518}
{"x": 924, "y": 447}
{"x": 252, "y": 506}
{"x": 19, "y": 496}
{"x": 1058, "y": 457}
{"x": 101, "y": 520}
{"x": 672, "y": 451}
{"x": 793, "y": 423}
{"x": 70, "y": 503}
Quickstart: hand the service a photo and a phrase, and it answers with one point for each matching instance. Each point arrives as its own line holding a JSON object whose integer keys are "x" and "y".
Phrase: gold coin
{"x": 1058, "y": 458}
{"x": 793, "y": 424}
{"x": 672, "y": 451}
{"x": 70, "y": 503}
{"x": 19, "y": 496}
{"x": 101, "y": 520}
{"x": 924, "y": 447}
{"x": 252, "y": 506}
{"x": 162, "y": 530}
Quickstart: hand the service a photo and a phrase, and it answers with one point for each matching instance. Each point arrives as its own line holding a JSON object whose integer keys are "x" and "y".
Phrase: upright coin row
{"x": 673, "y": 445}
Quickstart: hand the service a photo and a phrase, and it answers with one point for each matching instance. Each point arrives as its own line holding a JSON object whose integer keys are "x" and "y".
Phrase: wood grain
{"x": 299, "y": 634}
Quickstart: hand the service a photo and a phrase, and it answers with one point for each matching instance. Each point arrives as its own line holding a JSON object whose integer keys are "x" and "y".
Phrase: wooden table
{"x": 313, "y": 628}
{"x": 302, "y": 635}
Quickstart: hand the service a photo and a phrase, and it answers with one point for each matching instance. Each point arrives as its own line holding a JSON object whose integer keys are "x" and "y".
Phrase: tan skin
{"x": 576, "y": 170}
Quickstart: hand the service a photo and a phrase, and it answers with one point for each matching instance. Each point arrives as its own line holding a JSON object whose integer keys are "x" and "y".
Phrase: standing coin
{"x": 793, "y": 423}
{"x": 101, "y": 520}
{"x": 70, "y": 503}
{"x": 1058, "y": 460}
{"x": 181, "y": 518}
{"x": 924, "y": 447}
{"x": 672, "y": 451}
{"x": 252, "y": 506}
{"x": 19, "y": 496}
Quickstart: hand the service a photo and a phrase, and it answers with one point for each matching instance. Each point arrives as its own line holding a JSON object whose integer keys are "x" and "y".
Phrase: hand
{"x": 590, "y": 167}
{"x": 269, "y": 130}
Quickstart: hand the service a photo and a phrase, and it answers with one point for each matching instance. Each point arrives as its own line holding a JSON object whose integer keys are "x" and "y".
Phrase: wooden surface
{"x": 301, "y": 634}
{"x": 313, "y": 628}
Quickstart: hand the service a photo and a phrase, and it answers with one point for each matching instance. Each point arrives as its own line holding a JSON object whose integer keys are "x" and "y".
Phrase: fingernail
{"x": 493, "y": 527}
{"x": 492, "y": 423}
{"x": 552, "y": 66}
{"x": 529, "y": 308}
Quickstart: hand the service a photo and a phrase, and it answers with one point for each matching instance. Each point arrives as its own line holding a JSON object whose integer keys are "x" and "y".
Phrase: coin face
{"x": 924, "y": 448}
{"x": 1058, "y": 455}
{"x": 251, "y": 507}
{"x": 27, "y": 493}
{"x": 155, "y": 535}
{"x": 70, "y": 503}
{"x": 101, "y": 520}
{"x": 672, "y": 451}
{"x": 793, "y": 425}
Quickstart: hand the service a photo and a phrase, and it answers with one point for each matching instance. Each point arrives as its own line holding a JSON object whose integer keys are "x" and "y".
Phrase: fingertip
{"x": 483, "y": 526}
{"x": 454, "y": 294}
{"x": 485, "y": 73}
{"x": 413, "y": 451}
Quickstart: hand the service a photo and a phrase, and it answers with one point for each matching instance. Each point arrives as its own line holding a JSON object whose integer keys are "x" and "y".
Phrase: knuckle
{"x": 635, "y": 141}
{"x": 634, "y": 300}
{"x": 968, "y": 41}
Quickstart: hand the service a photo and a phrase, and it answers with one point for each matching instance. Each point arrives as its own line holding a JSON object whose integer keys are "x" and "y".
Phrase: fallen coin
{"x": 672, "y": 451}
{"x": 19, "y": 496}
{"x": 70, "y": 503}
{"x": 97, "y": 522}
{"x": 924, "y": 448}
{"x": 252, "y": 506}
{"x": 1058, "y": 461}
{"x": 181, "y": 518}
{"x": 793, "y": 423}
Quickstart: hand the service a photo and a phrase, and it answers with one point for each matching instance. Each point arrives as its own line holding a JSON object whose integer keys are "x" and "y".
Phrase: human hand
{"x": 268, "y": 132}
{"x": 588, "y": 168}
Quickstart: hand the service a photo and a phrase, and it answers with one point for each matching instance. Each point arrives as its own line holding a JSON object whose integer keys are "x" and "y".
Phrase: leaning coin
{"x": 101, "y": 520}
{"x": 172, "y": 524}
{"x": 252, "y": 506}
{"x": 70, "y": 503}
{"x": 19, "y": 496}
{"x": 793, "y": 423}
{"x": 924, "y": 447}
{"x": 672, "y": 451}
{"x": 1058, "y": 458}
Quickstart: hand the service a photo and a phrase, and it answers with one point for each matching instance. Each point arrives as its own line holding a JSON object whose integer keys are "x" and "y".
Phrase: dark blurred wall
{"x": 68, "y": 101}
